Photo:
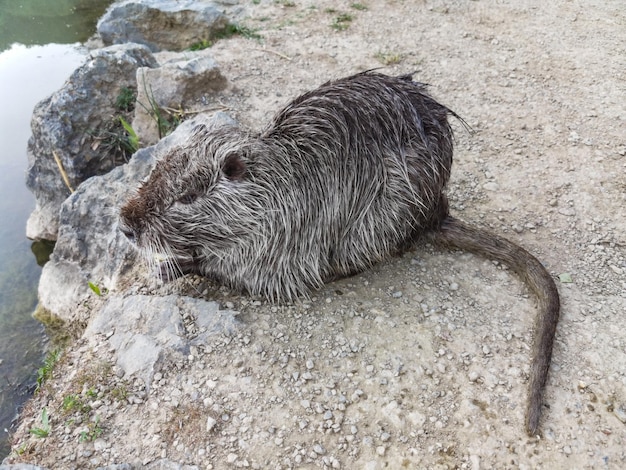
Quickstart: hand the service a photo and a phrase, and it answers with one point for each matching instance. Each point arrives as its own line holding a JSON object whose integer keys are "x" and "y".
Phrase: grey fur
{"x": 345, "y": 176}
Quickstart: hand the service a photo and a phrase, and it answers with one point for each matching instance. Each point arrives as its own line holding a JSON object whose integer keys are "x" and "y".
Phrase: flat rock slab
{"x": 145, "y": 330}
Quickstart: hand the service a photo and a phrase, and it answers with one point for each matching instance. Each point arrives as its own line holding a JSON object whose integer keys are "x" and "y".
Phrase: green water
{"x": 32, "y": 22}
{"x": 31, "y": 68}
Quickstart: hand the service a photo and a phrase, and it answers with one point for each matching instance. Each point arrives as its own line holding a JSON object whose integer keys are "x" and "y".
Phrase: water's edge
{"x": 28, "y": 74}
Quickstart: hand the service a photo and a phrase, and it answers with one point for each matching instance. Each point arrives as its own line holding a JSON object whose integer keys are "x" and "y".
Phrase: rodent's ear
{"x": 234, "y": 168}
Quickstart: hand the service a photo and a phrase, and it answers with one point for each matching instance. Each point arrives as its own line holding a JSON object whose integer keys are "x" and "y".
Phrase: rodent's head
{"x": 196, "y": 201}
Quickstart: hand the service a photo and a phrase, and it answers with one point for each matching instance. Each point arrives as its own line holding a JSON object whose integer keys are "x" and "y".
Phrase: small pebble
{"x": 210, "y": 423}
{"x": 620, "y": 412}
{"x": 318, "y": 449}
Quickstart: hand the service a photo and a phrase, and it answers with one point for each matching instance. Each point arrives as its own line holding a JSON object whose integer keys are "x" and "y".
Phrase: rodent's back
{"x": 369, "y": 158}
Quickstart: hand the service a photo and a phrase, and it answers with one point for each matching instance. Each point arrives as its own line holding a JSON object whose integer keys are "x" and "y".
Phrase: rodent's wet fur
{"x": 344, "y": 176}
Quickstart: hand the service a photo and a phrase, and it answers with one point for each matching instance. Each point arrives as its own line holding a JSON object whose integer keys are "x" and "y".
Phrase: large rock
{"x": 70, "y": 125}
{"x": 177, "y": 85}
{"x": 90, "y": 248}
{"x": 164, "y": 24}
{"x": 146, "y": 330}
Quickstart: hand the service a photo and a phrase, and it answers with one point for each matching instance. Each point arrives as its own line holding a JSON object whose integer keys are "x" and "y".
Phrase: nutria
{"x": 344, "y": 176}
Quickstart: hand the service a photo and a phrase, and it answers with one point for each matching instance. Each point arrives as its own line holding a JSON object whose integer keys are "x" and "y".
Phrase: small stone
{"x": 620, "y": 412}
{"x": 473, "y": 376}
{"x": 566, "y": 211}
{"x": 210, "y": 423}
{"x": 231, "y": 458}
{"x": 380, "y": 450}
{"x": 310, "y": 364}
{"x": 100, "y": 444}
{"x": 319, "y": 449}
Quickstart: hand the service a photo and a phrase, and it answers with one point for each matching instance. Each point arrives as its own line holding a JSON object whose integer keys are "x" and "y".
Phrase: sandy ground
{"x": 421, "y": 362}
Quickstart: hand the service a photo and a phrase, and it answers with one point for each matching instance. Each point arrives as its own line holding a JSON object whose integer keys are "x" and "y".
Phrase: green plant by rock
{"x": 234, "y": 29}
{"x": 74, "y": 403}
{"x": 114, "y": 138}
{"x": 45, "y": 371}
{"x": 359, "y": 6}
{"x": 231, "y": 29}
{"x": 44, "y": 430}
{"x": 388, "y": 58}
{"x": 94, "y": 431}
{"x": 201, "y": 45}
{"x": 341, "y": 22}
{"x": 125, "y": 101}
{"x": 133, "y": 138}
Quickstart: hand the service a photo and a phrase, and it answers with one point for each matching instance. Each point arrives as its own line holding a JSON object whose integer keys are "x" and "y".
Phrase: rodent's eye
{"x": 189, "y": 197}
{"x": 233, "y": 167}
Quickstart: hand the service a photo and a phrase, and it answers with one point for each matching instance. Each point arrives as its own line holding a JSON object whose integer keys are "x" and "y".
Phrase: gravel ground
{"x": 421, "y": 362}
